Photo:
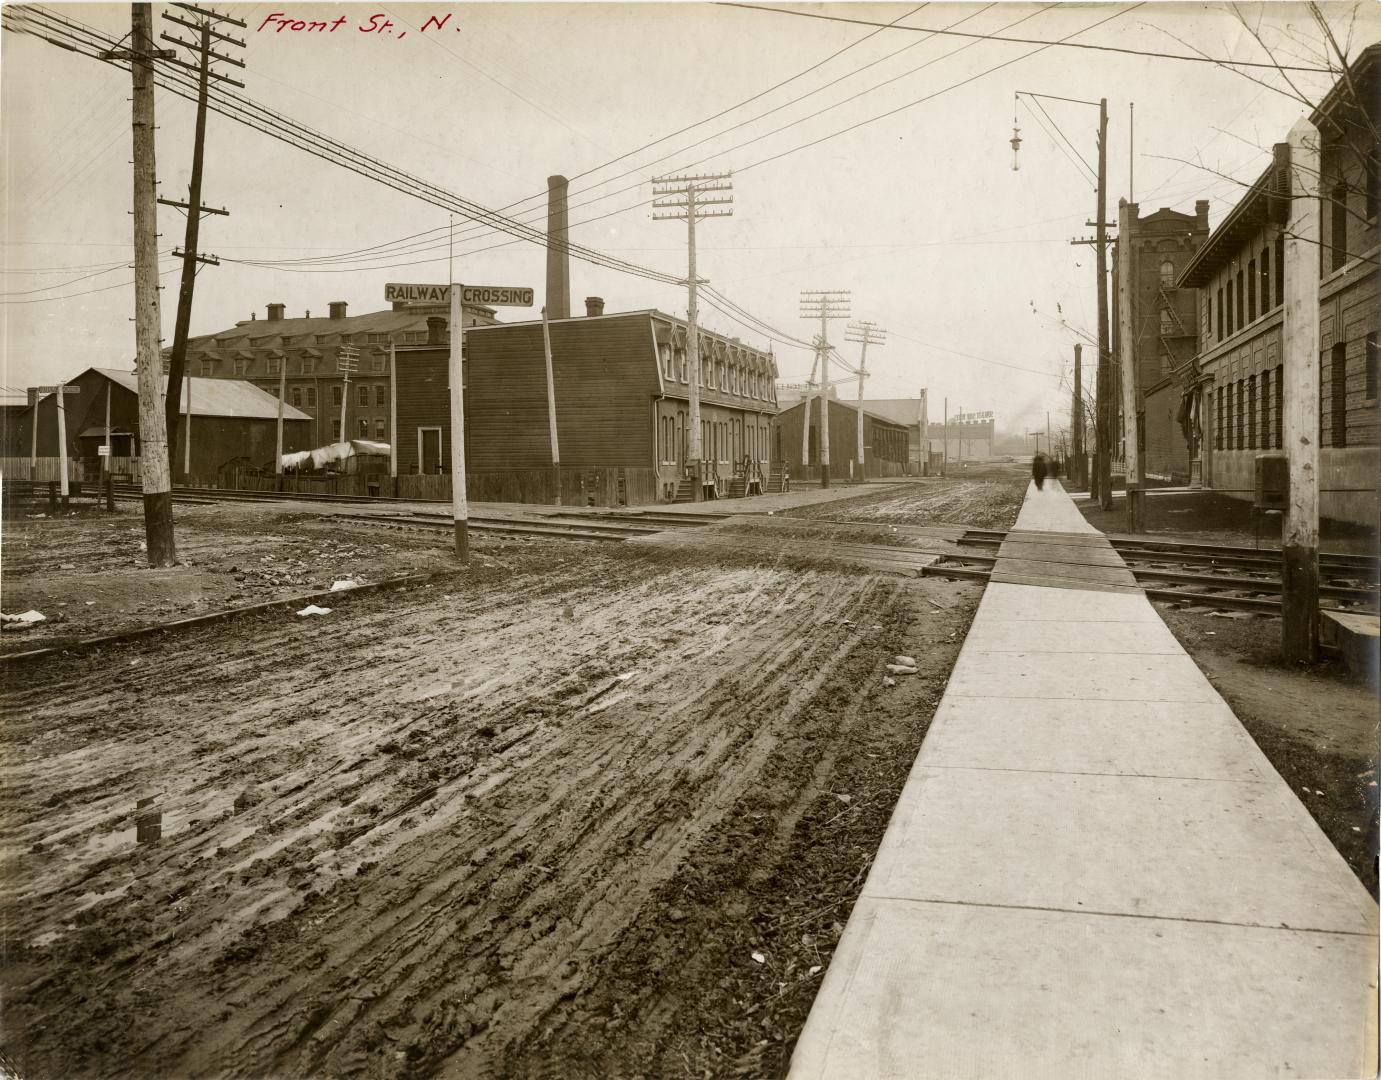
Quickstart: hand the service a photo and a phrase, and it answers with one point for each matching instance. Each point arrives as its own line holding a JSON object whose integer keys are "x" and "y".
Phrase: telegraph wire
{"x": 1032, "y": 41}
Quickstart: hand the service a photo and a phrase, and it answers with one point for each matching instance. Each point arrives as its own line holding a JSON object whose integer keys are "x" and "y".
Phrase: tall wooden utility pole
{"x": 203, "y": 22}
{"x": 925, "y": 431}
{"x": 683, "y": 197}
{"x": 1076, "y": 420}
{"x": 1104, "y": 430}
{"x": 865, "y": 333}
{"x": 805, "y": 413}
{"x": 154, "y": 466}
{"x": 278, "y": 441}
{"x": 551, "y": 411}
{"x": 1126, "y": 341}
{"x": 393, "y": 416}
{"x": 824, "y": 304}
{"x": 1299, "y": 570}
{"x": 460, "y": 510}
{"x": 347, "y": 358}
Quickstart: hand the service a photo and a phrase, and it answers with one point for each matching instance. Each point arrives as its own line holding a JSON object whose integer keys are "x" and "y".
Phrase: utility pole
{"x": 944, "y": 456}
{"x": 925, "y": 431}
{"x": 1299, "y": 569}
{"x": 107, "y": 474}
{"x": 278, "y": 442}
{"x": 824, "y": 304}
{"x": 1076, "y": 419}
{"x": 684, "y": 198}
{"x": 1126, "y": 339}
{"x": 347, "y": 357}
{"x": 551, "y": 410}
{"x": 62, "y": 442}
{"x": 154, "y": 464}
{"x": 460, "y": 510}
{"x": 1104, "y": 433}
{"x": 805, "y": 414}
{"x": 865, "y": 333}
{"x": 204, "y": 23}
{"x": 393, "y": 415}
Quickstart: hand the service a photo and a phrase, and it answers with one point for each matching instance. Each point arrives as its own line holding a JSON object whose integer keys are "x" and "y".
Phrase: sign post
{"x": 459, "y": 509}
{"x": 551, "y": 410}
{"x": 61, "y": 390}
{"x": 393, "y": 415}
{"x": 62, "y": 442}
{"x": 109, "y": 476}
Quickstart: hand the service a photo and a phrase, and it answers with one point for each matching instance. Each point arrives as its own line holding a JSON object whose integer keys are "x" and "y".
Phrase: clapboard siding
{"x": 605, "y": 377}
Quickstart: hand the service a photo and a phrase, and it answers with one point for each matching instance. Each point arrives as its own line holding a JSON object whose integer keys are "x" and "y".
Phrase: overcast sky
{"x": 964, "y": 261}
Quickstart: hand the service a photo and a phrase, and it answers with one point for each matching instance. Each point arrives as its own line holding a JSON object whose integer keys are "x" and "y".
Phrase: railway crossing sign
{"x": 35, "y": 392}
{"x": 485, "y": 295}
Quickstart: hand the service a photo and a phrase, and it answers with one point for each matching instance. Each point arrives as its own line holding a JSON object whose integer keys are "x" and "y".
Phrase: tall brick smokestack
{"x": 558, "y": 260}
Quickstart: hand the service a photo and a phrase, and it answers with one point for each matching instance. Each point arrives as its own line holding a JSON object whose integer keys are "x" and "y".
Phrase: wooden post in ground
{"x": 153, "y": 434}
{"x": 551, "y": 410}
{"x": 278, "y": 439}
{"x": 1299, "y": 569}
{"x": 105, "y": 463}
{"x": 1126, "y": 341}
{"x": 62, "y": 441}
{"x": 1076, "y": 421}
{"x": 393, "y": 415}
{"x": 460, "y": 511}
{"x": 33, "y": 437}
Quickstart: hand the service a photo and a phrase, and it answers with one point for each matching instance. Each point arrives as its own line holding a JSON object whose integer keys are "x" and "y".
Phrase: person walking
{"x": 1038, "y": 470}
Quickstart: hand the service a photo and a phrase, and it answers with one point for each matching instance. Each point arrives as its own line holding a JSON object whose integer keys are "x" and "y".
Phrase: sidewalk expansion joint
{"x": 874, "y": 897}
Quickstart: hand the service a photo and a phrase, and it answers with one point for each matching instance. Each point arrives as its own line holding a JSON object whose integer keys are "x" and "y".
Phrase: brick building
{"x": 305, "y": 355}
{"x": 886, "y": 446}
{"x": 1239, "y": 274}
{"x": 1165, "y": 321}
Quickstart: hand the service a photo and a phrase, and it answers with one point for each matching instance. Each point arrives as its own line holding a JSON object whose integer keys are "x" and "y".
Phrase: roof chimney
{"x": 558, "y": 259}
{"x": 337, "y": 309}
{"x": 594, "y": 306}
{"x": 1201, "y": 215}
{"x": 276, "y": 312}
{"x": 436, "y": 330}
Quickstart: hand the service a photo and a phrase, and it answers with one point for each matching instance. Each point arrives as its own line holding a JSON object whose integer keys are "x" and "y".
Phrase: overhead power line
{"x": 1034, "y": 41}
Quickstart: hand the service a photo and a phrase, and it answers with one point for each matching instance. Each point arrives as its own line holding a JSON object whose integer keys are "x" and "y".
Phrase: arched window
{"x": 1167, "y": 274}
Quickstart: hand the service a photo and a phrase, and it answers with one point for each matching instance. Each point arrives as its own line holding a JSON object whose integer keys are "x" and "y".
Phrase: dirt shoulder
{"x": 536, "y": 819}
{"x": 987, "y": 499}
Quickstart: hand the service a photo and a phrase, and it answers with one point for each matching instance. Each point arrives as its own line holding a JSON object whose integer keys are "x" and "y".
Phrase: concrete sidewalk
{"x": 1092, "y": 870}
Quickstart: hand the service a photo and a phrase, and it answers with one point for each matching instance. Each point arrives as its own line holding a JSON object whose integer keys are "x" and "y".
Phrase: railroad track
{"x": 560, "y": 530}
{"x": 1346, "y": 581}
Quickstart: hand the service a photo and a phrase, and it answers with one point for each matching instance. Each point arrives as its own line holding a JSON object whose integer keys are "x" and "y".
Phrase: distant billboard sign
{"x": 485, "y": 295}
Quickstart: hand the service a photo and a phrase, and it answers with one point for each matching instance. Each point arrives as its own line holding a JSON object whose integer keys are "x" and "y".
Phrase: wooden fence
{"x": 41, "y": 469}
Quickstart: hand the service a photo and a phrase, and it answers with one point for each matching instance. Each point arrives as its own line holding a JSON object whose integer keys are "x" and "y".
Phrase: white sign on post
{"x": 103, "y": 450}
{"x": 483, "y": 295}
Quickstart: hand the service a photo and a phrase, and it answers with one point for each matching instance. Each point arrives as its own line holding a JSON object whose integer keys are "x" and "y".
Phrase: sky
{"x": 881, "y": 165}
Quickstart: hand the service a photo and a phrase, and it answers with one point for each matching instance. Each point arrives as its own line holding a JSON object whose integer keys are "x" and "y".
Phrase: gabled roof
{"x": 236, "y": 398}
{"x": 851, "y": 407}
{"x": 1267, "y": 200}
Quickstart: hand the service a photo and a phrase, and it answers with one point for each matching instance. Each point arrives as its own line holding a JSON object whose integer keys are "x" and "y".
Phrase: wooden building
{"x": 886, "y": 443}
{"x": 233, "y": 423}
{"x": 621, "y": 390}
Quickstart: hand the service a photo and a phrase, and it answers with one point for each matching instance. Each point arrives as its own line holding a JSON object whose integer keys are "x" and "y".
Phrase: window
{"x": 378, "y": 362}
{"x": 362, "y": 394}
{"x": 311, "y": 397}
{"x": 275, "y": 365}
{"x": 297, "y": 397}
{"x": 1220, "y": 314}
{"x": 1238, "y": 424}
{"x": 1265, "y": 280}
{"x": 1251, "y": 413}
{"x": 1267, "y": 414}
{"x": 664, "y": 354}
{"x": 1167, "y": 325}
{"x": 1251, "y": 291}
{"x": 381, "y": 395}
{"x": 1279, "y": 290}
{"x": 1370, "y": 394}
{"x": 337, "y": 395}
{"x": 1280, "y": 407}
{"x": 1337, "y": 394}
{"x": 1241, "y": 303}
{"x": 1338, "y": 227}
{"x": 376, "y": 339}
{"x": 681, "y": 367}
{"x": 241, "y": 365}
{"x": 1219, "y": 420}
{"x": 1167, "y": 274}
{"x": 364, "y": 428}
{"x": 309, "y": 365}
{"x": 335, "y": 430}
{"x": 381, "y": 429}
{"x": 208, "y": 368}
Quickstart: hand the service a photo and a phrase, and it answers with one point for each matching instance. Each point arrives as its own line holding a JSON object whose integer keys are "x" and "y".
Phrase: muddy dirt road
{"x": 989, "y": 498}
{"x": 579, "y": 812}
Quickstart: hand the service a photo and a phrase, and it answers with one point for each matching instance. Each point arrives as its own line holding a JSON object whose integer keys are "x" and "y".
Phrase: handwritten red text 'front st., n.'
{"x": 378, "y": 24}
